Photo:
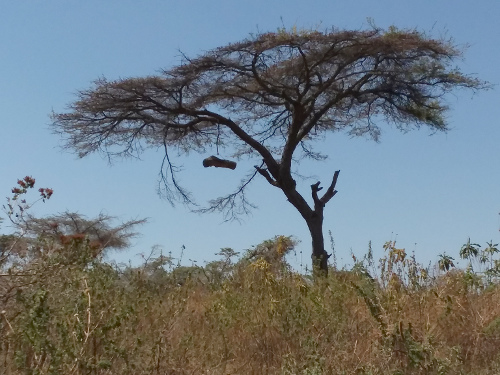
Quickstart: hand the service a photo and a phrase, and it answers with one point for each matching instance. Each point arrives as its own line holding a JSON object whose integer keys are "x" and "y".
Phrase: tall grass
{"x": 80, "y": 315}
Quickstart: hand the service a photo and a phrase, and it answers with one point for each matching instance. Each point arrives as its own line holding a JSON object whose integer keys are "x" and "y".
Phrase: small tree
{"x": 270, "y": 97}
{"x": 445, "y": 262}
{"x": 33, "y": 236}
{"x": 67, "y": 227}
{"x": 470, "y": 251}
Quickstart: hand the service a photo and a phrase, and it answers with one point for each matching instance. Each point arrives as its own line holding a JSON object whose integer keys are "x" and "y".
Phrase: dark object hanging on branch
{"x": 214, "y": 161}
{"x": 270, "y": 98}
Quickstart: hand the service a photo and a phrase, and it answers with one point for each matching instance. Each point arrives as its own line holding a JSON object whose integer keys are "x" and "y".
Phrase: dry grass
{"x": 252, "y": 317}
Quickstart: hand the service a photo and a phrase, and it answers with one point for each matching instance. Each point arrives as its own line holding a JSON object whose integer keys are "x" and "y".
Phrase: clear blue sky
{"x": 431, "y": 191}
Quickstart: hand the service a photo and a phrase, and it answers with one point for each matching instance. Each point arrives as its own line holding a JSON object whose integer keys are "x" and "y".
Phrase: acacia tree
{"x": 270, "y": 97}
{"x": 34, "y": 236}
{"x": 67, "y": 227}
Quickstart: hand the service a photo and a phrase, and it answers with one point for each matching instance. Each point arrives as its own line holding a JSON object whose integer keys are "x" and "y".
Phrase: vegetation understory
{"x": 69, "y": 312}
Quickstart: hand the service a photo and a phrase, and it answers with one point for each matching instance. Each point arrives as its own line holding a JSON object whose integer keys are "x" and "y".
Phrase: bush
{"x": 80, "y": 315}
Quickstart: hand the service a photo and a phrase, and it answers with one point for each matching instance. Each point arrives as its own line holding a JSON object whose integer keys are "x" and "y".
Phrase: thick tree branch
{"x": 319, "y": 203}
{"x": 314, "y": 191}
{"x": 266, "y": 175}
{"x": 330, "y": 192}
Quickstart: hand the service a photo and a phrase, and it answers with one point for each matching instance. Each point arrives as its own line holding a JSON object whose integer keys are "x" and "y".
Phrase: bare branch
{"x": 319, "y": 203}
{"x": 330, "y": 192}
{"x": 234, "y": 205}
{"x": 314, "y": 190}
{"x": 178, "y": 191}
{"x": 266, "y": 175}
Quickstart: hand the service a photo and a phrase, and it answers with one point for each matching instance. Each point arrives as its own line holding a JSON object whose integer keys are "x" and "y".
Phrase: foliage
{"x": 269, "y": 98}
{"x": 33, "y": 236}
{"x": 253, "y": 315}
{"x": 17, "y": 210}
{"x": 445, "y": 262}
{"x": 17, "y": 207}
{"x": 65, "y": 227}
{"x": 482, "y": 261}
{"x": 66, "y": 311}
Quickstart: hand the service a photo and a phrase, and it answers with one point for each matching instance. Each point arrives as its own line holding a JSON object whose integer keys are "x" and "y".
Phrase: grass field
{"x": 67, "y": 312}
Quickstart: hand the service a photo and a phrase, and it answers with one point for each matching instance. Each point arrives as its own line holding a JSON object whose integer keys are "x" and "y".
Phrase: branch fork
{"x": 266, "y": 175}
{"x": 330, "y": 192}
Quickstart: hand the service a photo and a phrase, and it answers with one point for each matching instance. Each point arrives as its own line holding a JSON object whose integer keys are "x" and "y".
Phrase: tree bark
{"x": 319, "y": 255}
{"x": 315, "y": 225}
{"x": 214, "y": 161}
{"x": 313, "y": 217}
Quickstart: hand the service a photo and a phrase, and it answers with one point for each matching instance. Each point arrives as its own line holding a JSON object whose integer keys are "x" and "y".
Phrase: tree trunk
{"x": 319, "y": 255}
{"x": 313, "y": 217}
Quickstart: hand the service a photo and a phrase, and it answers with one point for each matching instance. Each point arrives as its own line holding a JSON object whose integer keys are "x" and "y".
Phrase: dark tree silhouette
{"x": 270, "y": 97}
